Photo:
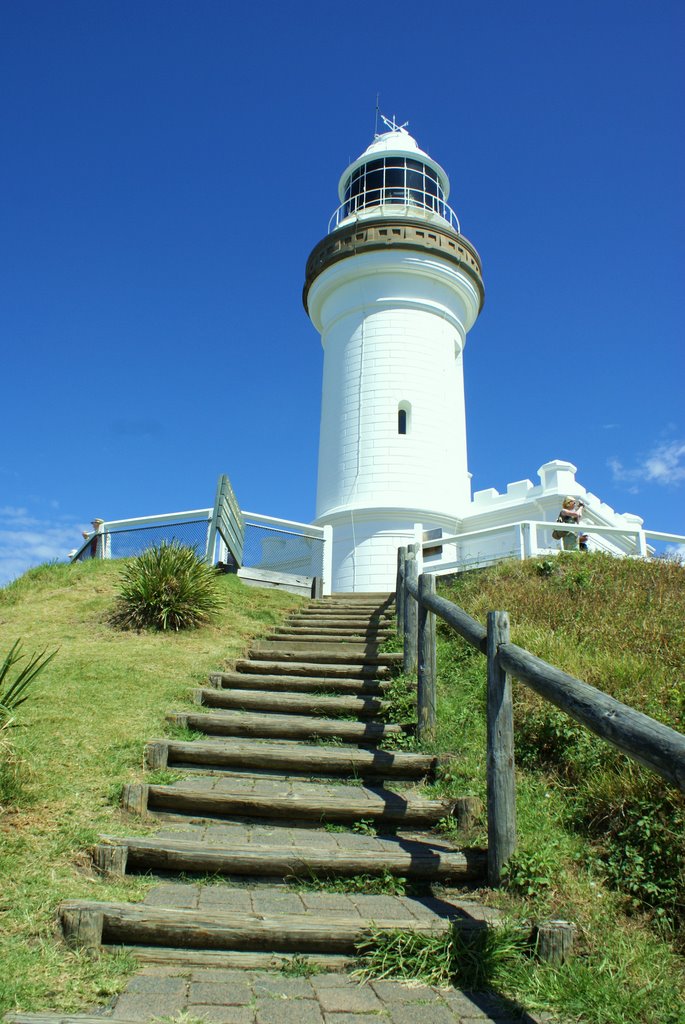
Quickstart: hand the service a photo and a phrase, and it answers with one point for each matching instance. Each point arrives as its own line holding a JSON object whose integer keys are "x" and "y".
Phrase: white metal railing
{"x": 526, "y": 542}
{"x": 393, "y": 207}
{"x": 283, "y": 545}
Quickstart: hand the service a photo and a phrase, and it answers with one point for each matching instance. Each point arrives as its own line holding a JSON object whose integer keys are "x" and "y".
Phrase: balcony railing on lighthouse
{"x": 396, "y": 203}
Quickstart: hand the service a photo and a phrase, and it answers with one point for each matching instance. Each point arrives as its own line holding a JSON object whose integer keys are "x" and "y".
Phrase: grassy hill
{"x": 600, "y": 839}
{"x": 81, "y": 738}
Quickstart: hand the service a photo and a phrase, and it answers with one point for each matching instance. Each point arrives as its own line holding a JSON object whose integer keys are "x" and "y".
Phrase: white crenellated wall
{"x": 393, "y": 326}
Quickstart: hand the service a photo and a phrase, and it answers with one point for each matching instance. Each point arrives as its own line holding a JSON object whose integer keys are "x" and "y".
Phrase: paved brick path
{"x": 259, "y": 997}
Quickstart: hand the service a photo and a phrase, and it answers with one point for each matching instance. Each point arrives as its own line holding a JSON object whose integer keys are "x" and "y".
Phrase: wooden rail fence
{"x": 656, "y": 746}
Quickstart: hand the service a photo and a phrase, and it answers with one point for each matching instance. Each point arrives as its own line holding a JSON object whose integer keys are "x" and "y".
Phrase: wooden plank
{"x": 652, "y": 744}
{"x": 304, "y": 758}
{"x": 383, "y": 806}
{"x": 410, "y": 653}
{"x": 426, "y": 674}
{"x": 399, "y": 590}
{"x": 238, "y": 723}
{"x": 162, "y": 926}
{"x": 318, "y": 670}
{"x": 302, "y": 703}
{"x": 235, "y": 959}
{"x": 462, "y": 623}
{"x": 301, "y": 684}
{"x": 501, "y": 781}
{"x": 411, "y": 859}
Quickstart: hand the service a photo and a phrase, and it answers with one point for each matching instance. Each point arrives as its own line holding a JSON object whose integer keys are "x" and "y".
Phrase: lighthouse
{"x": 393, "y": 289}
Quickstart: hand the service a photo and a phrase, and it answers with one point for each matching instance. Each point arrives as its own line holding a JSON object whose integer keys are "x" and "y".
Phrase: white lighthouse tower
{"x": 393, "y": 289}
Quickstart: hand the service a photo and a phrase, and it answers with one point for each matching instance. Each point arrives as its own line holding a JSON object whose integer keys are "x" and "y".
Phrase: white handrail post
{"x": 641, "y": 544}
{"x": 532, "y": 540}
{"x": 327, "y": 560}
{"x": 522, "y": 541}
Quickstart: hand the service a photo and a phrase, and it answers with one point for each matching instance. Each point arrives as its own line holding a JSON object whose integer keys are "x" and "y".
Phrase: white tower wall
{"x": 393, "y": 291}
{"x": 393, "y": 326}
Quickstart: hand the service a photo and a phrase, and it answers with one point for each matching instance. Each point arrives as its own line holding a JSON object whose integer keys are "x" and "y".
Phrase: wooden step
{"x": 323, "y": 633}
{"x": 291, "y": 683}
{"x": 92, "y": 924}
{"x": 293, "y": 727}
{"x": 408, "y": 859}
{"x": 344, "y": 621}
{"x": 319, "y": 638}
{"x": 349, "y": 653}
{"x": 378, "y": 805}
{"x": 318, "y": 669}
{"x": 290, "y": 757}
{"x": 288, "y": 703}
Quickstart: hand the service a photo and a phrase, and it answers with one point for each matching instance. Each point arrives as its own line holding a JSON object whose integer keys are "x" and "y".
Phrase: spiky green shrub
{"x": 14, "y": 685}
{"x": 167, "y": 587}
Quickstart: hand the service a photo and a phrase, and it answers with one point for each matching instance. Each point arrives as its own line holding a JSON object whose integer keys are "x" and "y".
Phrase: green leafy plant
{"x": 13, "y": 691}
{"x": 364, "y": 827}
{"x": 167, "y": 588}
{"x": 530, "y": 872}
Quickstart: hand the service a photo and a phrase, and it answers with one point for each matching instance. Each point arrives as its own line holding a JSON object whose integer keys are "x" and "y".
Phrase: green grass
{"x": 79, "y": 739}
{"x": 600, "y": 839}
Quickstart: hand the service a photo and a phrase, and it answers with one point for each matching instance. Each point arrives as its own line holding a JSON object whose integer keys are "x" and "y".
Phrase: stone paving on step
{"x": 278, "y": 899}
{"x": 190, "y": 995}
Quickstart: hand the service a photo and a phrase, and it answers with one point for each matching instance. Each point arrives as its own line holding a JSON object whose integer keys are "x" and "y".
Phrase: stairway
{"x": 289, "y": 773}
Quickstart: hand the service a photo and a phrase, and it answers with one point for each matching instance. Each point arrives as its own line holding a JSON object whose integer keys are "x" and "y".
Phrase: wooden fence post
{"x": 410, "y": 617}
{"x": 399, "y": 590}
{"x": 426, "y": 669}
{"x": 500, "y": 754}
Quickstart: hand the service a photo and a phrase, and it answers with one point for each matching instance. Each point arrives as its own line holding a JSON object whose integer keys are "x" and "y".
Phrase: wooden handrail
{"x": 650, "y": 743}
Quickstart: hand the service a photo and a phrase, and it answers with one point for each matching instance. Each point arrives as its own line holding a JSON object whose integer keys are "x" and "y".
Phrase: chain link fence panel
{"x": 133, "y": 541}
{"x": 267, "y": 547}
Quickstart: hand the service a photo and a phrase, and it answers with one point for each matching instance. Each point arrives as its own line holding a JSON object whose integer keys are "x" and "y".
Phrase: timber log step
{"x": 229, "y": 800}
{"x": 291, "y": 683}
{"x": 426, "y": 860}
{"x": 92, "y": 924}
{"x": 286, "y": 758}
{"x": 297, "y": 703}
{"x": 342, "y": 669}
{"x": 293, "y": 727}
{"x": 348, "y": 653}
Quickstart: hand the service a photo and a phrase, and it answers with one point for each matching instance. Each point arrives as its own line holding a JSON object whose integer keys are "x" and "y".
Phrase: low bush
{"x": 167, "y": 588}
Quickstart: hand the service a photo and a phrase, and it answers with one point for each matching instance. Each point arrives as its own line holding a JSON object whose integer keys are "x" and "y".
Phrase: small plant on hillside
{"x": 167, "y": 587}
{"x": 531, "y": 872}
{"x": 399, "y": 700}
{"x": 13, "y": 691}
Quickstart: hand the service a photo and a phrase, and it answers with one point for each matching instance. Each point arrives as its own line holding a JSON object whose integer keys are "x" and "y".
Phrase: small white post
{"x": 641, "y": 544}
{"x": 418, "y": 547}
{"x": 532, "y": 540}
{"x": 522, "y": 541}
{"x": 327, "y": 560}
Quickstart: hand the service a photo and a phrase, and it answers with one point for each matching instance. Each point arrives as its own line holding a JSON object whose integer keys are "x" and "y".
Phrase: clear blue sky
{"x": 168, "y": 166}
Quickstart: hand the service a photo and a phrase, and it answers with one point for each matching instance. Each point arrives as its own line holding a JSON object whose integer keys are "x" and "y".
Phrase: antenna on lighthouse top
{"x": 375, "y": 127}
